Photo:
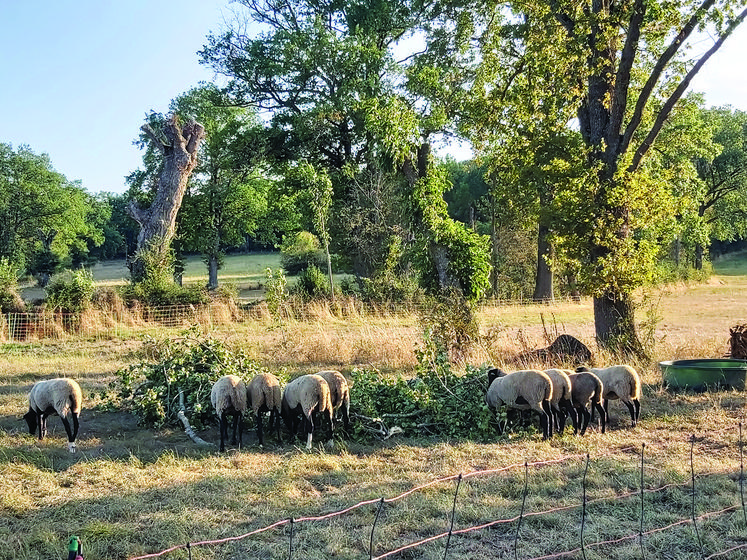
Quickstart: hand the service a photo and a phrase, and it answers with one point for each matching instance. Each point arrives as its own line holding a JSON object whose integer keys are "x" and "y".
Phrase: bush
{"x": 163, "y": 295}
{"x": 312, "y": 284}
{"x": 192, "y": 364}
{"x": 71, "y": 296}
{"x": 10, "y": 299}
{"x": 300, "y": 251}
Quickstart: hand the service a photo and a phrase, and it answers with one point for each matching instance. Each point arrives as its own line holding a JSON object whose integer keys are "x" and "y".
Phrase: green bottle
{"x": 74, "y": 548}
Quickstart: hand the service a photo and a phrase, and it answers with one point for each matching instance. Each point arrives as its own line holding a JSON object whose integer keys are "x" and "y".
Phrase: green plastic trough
{"x": 704, "y": 374}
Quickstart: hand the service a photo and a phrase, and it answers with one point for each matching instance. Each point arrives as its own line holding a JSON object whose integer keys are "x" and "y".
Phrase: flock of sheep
{"x": 555, "y": 394}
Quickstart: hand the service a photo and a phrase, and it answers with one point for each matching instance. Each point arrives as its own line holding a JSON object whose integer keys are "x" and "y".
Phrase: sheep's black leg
{"x": 346, "y": 417}
{"x": 546, "y": 420}
{"x": 275, "y": 420}
{"x": 631, "y": 409}
{"x": 260, "y": 435}
{"x": 586, "y": 416}
{"x": 602, "y": 415}
{"x": 75, "y": 426}
{"x": 42, "y": 418}
{"x": 309, "y": 429}
{"x": 637, "y": 405}
{"x": 223, "y": 426}
{"x": 68, "y": 431}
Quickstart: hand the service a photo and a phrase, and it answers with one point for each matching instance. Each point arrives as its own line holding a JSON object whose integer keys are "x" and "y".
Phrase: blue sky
{"x": 78, "y": 76}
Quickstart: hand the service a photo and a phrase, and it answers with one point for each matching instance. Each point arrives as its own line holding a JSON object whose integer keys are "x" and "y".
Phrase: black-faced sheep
{"x": 55, "y": 396}
{"x": 620, "y": 382}
{"x": 264, "y": 395}
{"x": 302, "y": 398}
{"x": 587, "y": 392}
{"x": 526, "y": 389}
{"x": 561, "y": 398}
{"x": 339, "y": 393}
{"x": 229, "y": 398}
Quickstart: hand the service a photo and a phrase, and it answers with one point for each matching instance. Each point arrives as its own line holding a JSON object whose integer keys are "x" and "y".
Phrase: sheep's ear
{"x": 579, "y": 369}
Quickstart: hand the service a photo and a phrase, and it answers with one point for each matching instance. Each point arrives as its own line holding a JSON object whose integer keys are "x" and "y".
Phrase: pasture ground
{"x": 131, "y": 491}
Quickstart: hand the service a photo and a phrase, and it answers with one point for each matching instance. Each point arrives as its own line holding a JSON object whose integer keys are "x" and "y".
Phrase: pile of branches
{"x": 738, "y": 346}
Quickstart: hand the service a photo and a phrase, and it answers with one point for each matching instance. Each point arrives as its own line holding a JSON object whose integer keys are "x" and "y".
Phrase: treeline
{"x": 593, "y": 174}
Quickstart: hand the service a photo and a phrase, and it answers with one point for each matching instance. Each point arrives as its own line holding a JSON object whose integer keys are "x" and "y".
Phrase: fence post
{"x": 741, "y": 472}
{"x": 692, "y": 505}
{"x": 376, "y": 519}
{"x": 189, "y": 551}
{"x": 521, "y": 514}
{"x": 583, "y": 507}
{"x": 640, "y": 531}
{"x": 453, "y": 513}
{"x": 290, "y": 541}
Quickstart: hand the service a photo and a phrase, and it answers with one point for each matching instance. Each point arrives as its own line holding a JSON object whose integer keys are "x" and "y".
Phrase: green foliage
{"x": 299, "y": 251}
{"x": 438, "y": 402}
{"x": 71, "y": 296}
{"x": 35, "y": 198}
{"x": 449, "y": 325}
{"x": 276, "y": 291}
{"x": 157, "y": 288}
{"x": 191, "y": 364}
{"x": 312, "y": 283}
{"x": 10, "y": 299}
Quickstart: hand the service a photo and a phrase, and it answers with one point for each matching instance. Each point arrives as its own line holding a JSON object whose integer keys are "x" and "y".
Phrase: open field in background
{"x": 132, "y": 491}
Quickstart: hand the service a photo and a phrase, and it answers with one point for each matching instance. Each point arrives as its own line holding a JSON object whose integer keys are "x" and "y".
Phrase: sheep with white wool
{"x": 339, "y": 393}
{"x": 561, "y": 398}
{"x": 264, "y": 395}
{"x": 59, "y": 396}
{"x": 302, "y": 398}
{"x": 587, "y": 392}
{"x": 525, "y": 389}
{"x": 229, "y": 398}
{"x": 619, "y": 382}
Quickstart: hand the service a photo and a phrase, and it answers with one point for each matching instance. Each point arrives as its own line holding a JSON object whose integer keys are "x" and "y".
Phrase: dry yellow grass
{"x": 131, "y": 491}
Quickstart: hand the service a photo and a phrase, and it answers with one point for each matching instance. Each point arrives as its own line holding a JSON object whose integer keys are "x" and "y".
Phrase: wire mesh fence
{"x": 695, "y": 519}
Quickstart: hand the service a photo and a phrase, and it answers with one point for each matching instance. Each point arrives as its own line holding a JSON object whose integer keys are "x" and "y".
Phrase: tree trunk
{"x": 179, "y": 146}
{"x": 699, "y": 256}
{"x": 212, "y": 272}
{"x": 543, "y": 290}
{"x": 614, "y": 322}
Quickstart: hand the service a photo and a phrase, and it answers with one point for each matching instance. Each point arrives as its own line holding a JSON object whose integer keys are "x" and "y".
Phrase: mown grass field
{"x": 131, "y": 491}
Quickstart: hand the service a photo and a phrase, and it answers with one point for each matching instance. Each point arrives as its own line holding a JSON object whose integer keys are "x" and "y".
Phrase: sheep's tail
{"x": 238, "y": 397}
{"x": 596, "y": 397}
{"x": 635, "y": 389}
{"x": 272, "y": 396}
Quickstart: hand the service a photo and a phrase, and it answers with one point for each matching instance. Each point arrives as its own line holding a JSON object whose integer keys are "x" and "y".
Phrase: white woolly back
{"x": 63, "y": 394}
{"x": 338, "y": 386}
{"x": 264, "y": 389}
{"x": 228, "y": 392}
{"x": 621, "y": 379}
{"x": 310, "y": 391}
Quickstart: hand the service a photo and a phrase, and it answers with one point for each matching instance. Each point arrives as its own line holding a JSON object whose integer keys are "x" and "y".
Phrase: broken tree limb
{"x": 187, "y": 427}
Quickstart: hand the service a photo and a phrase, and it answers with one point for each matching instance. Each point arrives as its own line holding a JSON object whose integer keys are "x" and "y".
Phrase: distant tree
{"x": 227, "y": 198}
{"x": 722, "y": 202}
{"x": 42, "y": 214}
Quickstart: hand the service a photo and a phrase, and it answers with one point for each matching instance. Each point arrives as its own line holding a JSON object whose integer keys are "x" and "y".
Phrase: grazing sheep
{"x": 303, "y": 397}
{"x": 526, "y": 389}
{"x": 339, "y": 393}
{"x": 229, "y": 397}
{"x": 619, "y": 382}
{"x": 55, "y": 396}
{"x": 264, "y": 395}
{"x": 561, "y": 398}
{"x": 587, "y": 391}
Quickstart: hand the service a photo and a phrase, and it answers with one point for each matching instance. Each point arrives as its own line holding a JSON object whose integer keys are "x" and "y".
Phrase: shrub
{"x": 190, "y": 365}
{"x": 299, "y": 251}
{"x": 312, "y": 284}
{"x": 71, "y": 296}
{"x": 10, "y": 299}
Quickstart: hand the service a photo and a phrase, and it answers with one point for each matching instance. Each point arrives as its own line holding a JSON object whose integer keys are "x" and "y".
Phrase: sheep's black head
{"x": 495, "y": 373}
{"x": 580, "y": 369}
{"x": 30, "y": 418}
